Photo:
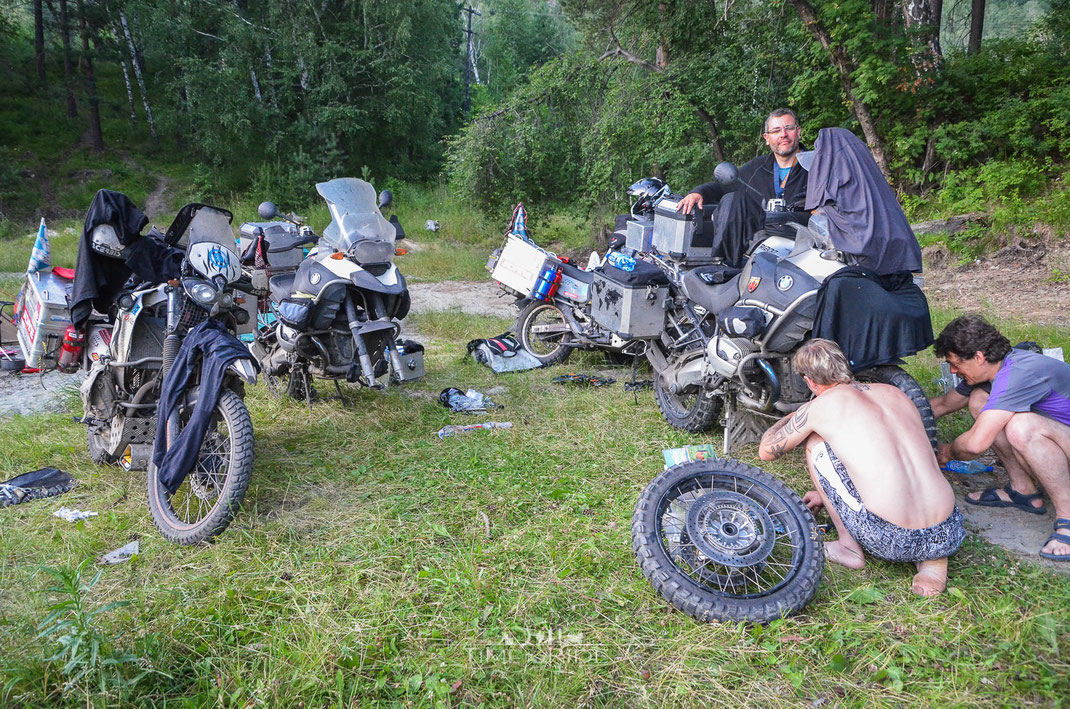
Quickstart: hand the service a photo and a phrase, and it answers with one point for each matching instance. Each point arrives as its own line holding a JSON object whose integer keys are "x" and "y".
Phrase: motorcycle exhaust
{"x": 136, "y": 457}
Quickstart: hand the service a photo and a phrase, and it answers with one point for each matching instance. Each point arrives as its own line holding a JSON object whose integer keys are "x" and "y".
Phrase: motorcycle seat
{"x": 281, "y": 286}
{"x": 577, "y": 274}
{"x": 714, "y": 297}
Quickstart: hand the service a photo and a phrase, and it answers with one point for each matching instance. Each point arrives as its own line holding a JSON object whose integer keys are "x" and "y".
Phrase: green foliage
{"x": 84, "y": 655}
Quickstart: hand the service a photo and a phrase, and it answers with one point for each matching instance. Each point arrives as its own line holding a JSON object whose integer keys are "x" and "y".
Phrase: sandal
{"x": 989, "y": 498}
{"x": 1065, "y": 539}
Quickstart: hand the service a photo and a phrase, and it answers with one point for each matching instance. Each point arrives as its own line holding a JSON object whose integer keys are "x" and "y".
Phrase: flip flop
{"x": 989, "y": 498}
{"x": 1065, "y": 539}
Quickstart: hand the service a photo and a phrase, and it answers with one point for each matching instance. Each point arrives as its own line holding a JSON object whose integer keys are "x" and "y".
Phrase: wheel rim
{"x": 203, "y": 489}
{"x": 681, "y": 405}
{"x": 545, "y": 332}
{"x": 730, "y": 535}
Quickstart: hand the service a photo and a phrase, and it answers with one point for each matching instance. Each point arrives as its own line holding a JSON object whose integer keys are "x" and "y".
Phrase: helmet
{"x": 105, "y": 241}
{"x": 647, "y": 191}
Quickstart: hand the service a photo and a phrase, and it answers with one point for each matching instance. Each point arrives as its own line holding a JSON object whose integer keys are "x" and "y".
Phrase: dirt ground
{"x": 1026, "y": 280}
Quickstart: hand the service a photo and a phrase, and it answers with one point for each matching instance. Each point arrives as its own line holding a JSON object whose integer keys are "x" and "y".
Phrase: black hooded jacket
{"x": 98, "y": 278}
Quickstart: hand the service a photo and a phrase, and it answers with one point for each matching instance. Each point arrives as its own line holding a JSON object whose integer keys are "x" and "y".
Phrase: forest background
{"x": 559, "y": 103}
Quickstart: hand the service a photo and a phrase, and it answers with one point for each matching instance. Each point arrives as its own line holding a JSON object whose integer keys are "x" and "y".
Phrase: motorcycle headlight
{"x": 201, "y": 291}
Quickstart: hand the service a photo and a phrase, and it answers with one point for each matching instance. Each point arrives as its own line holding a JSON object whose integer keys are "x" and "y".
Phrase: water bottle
{"x": 452, "y": 430}
{"x": 624, "y": 263}
{"x": 967, "y": 467}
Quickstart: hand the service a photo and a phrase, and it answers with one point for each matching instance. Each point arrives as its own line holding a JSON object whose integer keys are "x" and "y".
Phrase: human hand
{"x": 943, "y": 454}
{"x": 692, "y": 200}
{"x": 813, "y": 501}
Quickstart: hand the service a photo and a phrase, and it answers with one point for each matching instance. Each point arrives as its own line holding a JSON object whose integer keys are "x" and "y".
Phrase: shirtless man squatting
{"x": 874, "y": 469}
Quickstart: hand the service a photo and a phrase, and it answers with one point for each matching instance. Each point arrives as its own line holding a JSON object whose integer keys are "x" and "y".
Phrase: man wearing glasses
{"x": 775, "y": 176}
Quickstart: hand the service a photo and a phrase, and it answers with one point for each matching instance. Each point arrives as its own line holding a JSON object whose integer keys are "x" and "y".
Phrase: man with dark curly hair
{"x": 1020, "y": 401}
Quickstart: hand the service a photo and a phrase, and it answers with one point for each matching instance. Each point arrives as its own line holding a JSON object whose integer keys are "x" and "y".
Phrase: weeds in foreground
{"x": 86, "y": 657}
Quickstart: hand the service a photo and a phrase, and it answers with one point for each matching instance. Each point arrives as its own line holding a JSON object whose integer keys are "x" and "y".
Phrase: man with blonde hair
{"x": 882, "y": 486}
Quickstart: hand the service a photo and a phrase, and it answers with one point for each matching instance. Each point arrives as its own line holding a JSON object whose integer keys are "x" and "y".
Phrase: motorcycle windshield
{"x": 212, "y": 250}
{"x": 355, "y": 215}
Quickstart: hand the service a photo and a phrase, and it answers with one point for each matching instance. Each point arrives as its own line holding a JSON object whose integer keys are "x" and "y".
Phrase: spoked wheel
{"x": 722, "y": 540}
{"x": 544, "y": 332}
{"x": 690, "y": 411}
{"x": 211, "y": 494}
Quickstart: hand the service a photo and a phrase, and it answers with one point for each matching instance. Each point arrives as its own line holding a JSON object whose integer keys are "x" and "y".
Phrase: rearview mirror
{"x": 386, "y": 198}
{"x": 267, "y": 210}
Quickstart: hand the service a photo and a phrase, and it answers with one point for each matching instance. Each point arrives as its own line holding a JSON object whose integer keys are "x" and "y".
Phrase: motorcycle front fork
{"x": 363, "y": 357}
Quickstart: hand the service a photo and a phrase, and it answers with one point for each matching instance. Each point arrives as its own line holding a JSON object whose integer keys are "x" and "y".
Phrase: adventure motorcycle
{"x": 336, "y": 316}
{"x": 719, "y": 539}
{"x": 128, "y": 359}
{"x": 552, "y": 323}
{"x": 743, "y": 364}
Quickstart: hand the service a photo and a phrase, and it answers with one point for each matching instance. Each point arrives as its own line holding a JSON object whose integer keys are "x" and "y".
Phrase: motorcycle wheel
{"x": 549, "y": 349}
{"x": 693, "y": 413}
{"x": 98, "y": 448}
{"x": 723, "y": 540}
{"x": 905, "y": 383}
{"x": 212, "y": 493}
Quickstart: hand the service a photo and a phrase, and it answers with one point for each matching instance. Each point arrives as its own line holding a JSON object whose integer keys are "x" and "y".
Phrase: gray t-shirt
{"x": 1027, "y": 381}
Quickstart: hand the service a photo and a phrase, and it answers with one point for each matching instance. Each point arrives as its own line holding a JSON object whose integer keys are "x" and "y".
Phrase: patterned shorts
{"x": 877, "y": 536}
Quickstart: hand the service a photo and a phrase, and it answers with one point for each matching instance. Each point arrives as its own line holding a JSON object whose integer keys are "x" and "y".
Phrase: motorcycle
{"x": 720, "y": 539}
{"x": 336, "y": 316}
{"x": 551, "y": 324}
{"x": 128, "y": 359}
{"x": 744, "y": 370}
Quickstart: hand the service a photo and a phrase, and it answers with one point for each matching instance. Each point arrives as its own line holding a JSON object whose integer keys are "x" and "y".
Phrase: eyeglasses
{"x": 790, "y": 128}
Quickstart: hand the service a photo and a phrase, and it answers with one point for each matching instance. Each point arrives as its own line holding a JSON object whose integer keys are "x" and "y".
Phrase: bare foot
{"x": 844, "y": 555}
{"x": 931, "y": 577}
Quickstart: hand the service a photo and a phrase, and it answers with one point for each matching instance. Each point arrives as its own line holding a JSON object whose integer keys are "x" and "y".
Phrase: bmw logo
{"x": 785, "y": 283}
{"x": 314, "y": 278}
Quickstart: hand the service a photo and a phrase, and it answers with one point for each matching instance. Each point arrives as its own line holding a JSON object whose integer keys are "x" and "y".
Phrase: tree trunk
{"x": 923, "y": 16}
{"x": 139, "y": 73}
{"x": 270, "y": 83}
{"x": 96, "y": 134}
{"x": 661, "y": 58}
{"x": 256, "y": 85}
{"x": 977, "y": 25}
{"x": 129, "y": 93}
{"x": 68, "y": 65}
{"x": 844, "y": 68}
{"x": 39, "y": 39}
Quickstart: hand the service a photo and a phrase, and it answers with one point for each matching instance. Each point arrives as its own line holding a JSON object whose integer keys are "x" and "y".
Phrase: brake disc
{"x": 730, "y": 529}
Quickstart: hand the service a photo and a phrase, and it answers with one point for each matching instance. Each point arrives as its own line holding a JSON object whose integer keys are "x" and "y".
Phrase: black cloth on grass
{"x": 875, "y": 319}
{"x": 212, "y": 344}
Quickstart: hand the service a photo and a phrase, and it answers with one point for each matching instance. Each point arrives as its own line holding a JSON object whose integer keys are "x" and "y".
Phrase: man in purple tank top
{"x": 1024, "y": 415}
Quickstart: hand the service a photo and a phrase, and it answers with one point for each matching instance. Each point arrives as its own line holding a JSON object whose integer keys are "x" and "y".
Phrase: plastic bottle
{"x": 624, "y": 263}
{"x": 454, "y": 429}
{"x": 967, "y": 467}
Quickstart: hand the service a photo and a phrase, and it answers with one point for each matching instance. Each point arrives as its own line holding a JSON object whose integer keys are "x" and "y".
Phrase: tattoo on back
{"x": 860, "y": 386}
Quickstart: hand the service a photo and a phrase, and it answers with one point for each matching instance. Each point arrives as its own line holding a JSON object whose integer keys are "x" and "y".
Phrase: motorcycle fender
{"x": 245, "y": 369}
{"x": 90, "y": 380}
{"x": 366, "y": 281}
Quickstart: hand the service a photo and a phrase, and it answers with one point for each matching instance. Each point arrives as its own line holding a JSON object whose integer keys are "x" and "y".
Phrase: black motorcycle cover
{"x": 98, "y": 278}
{"x": 864, "y": 217}
{"x": 875, "y": 319}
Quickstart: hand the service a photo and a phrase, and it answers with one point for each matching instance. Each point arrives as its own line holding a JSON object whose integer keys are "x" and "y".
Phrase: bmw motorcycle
{"x": 336, "y": 316}
{"x": 720, "y": 539}
{"x": 128, "y": 359}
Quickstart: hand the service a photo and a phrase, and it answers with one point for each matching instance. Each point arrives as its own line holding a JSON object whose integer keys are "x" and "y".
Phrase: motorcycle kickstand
{"x": 341, "y": 397}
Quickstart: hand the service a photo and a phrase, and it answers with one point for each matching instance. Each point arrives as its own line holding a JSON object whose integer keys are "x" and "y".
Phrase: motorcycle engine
{"x": 724, "y": 354}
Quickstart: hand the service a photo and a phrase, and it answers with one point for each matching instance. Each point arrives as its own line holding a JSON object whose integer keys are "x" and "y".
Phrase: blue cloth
{"x": 780, "y": 177}
{"x": 216, "y": 348}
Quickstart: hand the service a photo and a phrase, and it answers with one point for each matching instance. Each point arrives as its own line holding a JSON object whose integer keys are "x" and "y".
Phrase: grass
{"x": 375, "y": 564}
